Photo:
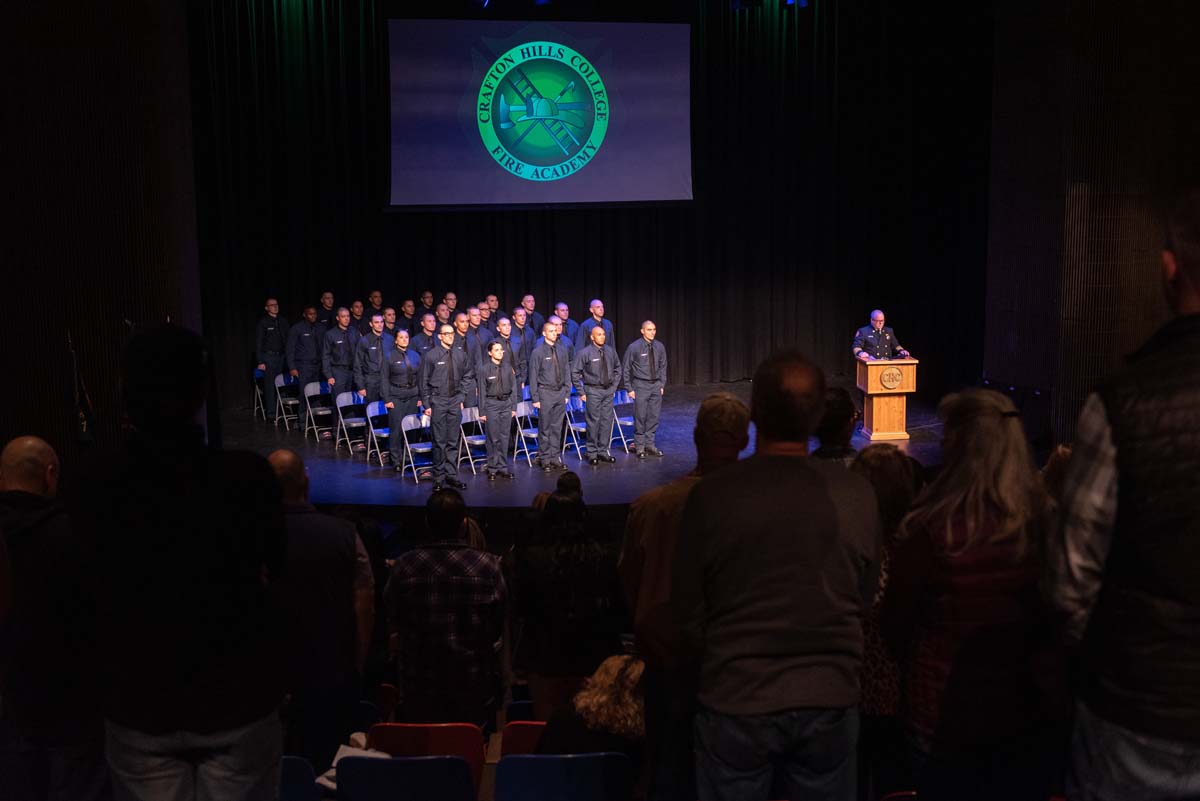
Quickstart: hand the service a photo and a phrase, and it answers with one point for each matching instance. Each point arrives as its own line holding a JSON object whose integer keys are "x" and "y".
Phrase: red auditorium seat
{"x": 521, "y": 737}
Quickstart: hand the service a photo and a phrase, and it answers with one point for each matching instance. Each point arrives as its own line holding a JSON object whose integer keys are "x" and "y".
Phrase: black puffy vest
{"x": 1142, "y": 646}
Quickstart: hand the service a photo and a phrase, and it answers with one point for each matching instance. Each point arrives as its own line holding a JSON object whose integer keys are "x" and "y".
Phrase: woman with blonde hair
{"x": 608, "y": 714}
{"x": 964, "y": 615}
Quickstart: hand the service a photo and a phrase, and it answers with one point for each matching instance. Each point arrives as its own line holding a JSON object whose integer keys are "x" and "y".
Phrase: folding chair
{"x": 446, "y": 778}
{"x": 377, "y": 429}
{"x": 318, "y": 410}
{"x": 352, "y": 417}
{"x": 473, "y": 446}
{"x": 621, "y": 398}
{"x": 580, "y": 777}
{"x": 576, "y": 425}
{"x": 521, "y": 737}
{"x": 526, "y": 431}
{"x": 260, "y": 409}
{"x": 297, "y": 781}
{"x": 287, "y": 404}
{"x": 414, "y": 449}
{"x": 463, "y": 740}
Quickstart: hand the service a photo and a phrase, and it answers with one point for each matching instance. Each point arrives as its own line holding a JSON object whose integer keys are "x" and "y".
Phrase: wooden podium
{"x": 884, "y": 384}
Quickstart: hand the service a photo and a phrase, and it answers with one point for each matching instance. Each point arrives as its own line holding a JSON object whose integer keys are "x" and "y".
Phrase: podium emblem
{"x": 891, "y": 378}
{"x": 542, "y": 111}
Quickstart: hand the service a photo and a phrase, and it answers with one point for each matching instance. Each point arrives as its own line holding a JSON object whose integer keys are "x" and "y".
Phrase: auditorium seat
{"x": 444, "y": 778}
{"x": 580, "y": 777}
{"x": 521, "y": 737}
{"x": 432, "y": 739}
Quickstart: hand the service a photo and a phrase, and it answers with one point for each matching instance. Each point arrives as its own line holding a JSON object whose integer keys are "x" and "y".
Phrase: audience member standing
{"x": 772, "y": 603}
{"x": 446, "y": 606}
{"x": 882, "y": 750}
{"x": 51, "y": 729}
{"x": 1124, "y": 563}
{"x": 963, "y": 612}
{"x": 652, "y": 531}
{"x": 326, "y": 600}
{"x": 270, "y": 341}
{"x": 568, "y": 602}
{"x": 188, "y": 540}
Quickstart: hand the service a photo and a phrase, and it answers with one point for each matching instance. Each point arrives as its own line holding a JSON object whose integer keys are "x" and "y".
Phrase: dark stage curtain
{"x": 840, "y": 163}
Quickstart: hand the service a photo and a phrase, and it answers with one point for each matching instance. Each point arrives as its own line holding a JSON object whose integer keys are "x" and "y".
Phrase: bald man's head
{"x": 289, "y": 470}
{"x": 29, "y": 464}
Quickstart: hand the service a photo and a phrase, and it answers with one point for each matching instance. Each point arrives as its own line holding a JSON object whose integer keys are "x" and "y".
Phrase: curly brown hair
{"x": 611, "y": 699}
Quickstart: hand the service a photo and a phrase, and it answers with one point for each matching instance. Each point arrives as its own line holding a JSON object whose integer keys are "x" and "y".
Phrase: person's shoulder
{"x": 664, "y": 493}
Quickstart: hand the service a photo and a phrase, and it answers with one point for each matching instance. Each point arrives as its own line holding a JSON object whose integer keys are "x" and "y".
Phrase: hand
{"x": 362, "y": 393}
{"x": 262, "y": 367}
{"x": 514, "y": 414}
{"x": 331, "y": 381}
{"x": 294, "y": 373}
{"x": 905, "y": 354}
{"x": 428, "y": 412}
{"x": 483, "y": 418}
{"x": 389, "y": 405}
{"x": 583, "y": 398}
{"x": 632, "y": 395}
{"x": 537, "y": 404}
{"x": 662, "y": 390}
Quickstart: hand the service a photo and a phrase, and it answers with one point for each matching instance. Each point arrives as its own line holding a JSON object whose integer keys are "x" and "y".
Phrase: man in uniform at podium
{"x": 878, "y": 341}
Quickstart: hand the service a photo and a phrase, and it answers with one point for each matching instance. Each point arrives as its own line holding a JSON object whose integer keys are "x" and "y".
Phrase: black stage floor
{"x": 338, "y": 478}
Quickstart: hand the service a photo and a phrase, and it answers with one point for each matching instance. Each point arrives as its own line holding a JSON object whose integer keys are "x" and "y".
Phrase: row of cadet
{"x": 438, "y": 373}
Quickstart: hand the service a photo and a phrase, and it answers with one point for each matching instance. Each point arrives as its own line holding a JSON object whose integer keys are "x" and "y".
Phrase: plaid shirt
{"x": 1079, "y": 548}
{"x": 448, "y": 603}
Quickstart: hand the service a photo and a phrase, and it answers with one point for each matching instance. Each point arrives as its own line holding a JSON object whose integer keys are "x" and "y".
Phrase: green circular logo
{"x": 542, "y": 111}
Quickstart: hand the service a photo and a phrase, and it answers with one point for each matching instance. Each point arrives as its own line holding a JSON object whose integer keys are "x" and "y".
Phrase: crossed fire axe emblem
{"x": 542, "y": 111}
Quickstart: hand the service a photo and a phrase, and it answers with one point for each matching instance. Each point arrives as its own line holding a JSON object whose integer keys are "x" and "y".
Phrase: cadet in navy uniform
{"x": 401, "y": 394}
{"x": 426, "y": 337}
{"x": 521, "y": 332}
{"x": 478, "y": 329}
{"x": 337, "y": 357}
{"x": 512, "y": 349}
{"x": 326, "y": 312}
{"x": 446, "y": 372}
{"x": 596, "y": 373}
{"x": 646, "y": 375}
{"x": 563, "y": 342}
{"x": 534, "y": 320}
{"x": 469, "y": 345}
{"x": 877, "y": 341}
{"x": 499, "y": 391}
{"x": 304, "y": 348}
{"x": 583, "y": 337}
{"x": 549, "y": 385}
{"x": 570, "y": 328}
{"x": 270, "y": 340}
{"x": 369, "y": 356}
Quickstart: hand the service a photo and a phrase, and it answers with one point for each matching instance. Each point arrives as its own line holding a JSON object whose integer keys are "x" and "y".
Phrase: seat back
{"x": 318, "y": 408}
{"x": 463, "y": 740}
{"x": 351, "y": 414}
{"x": 412, "y": 422}
{"x": 580, "y": 777}
{"x": 521, "y": 737}
{"x": 297, "y": 781}
{"x": 377, "y": 429}
{"x": 438, "y": 778}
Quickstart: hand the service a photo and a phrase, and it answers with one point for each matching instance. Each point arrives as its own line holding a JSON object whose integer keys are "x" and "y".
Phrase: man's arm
{"x": 615, "y": 368}
{"x": 1078, "y": 548}
{"x": 364, "y": 603}
{"x": 577, "y": 372}
{"x": 425, "y": 390}
{"x": 326, "y": 356}
{"x": 860, "y": 342}
{"x": 289, "y": 349}
{"x": 360, "y": 364}
{"x": 531, "y": 379}
{"x": 260, "y": 330}
{"x": 662, "y": 373}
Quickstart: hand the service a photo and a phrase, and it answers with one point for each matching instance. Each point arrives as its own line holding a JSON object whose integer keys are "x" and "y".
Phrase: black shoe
{"x": 640, "y": 454}
{"x": 547, "y": 467}
{"x": 506, "y": 474}
{"x": 398, "y": 469}
{"x": 491, "y": 476}
{"x": 653, "y": 451}
{"x": 607, "y": 457}
{"x": 595, "y": 460}
{"x": 454, "y": 482}
{"x": 559, "y": 466}
{"x": 437, "y": 486}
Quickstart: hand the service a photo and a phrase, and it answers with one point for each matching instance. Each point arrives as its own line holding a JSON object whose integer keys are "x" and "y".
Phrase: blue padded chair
{"x": 573, "y": 777}
{"x": 298, "y": 782}
{"x": 428, "y": 778}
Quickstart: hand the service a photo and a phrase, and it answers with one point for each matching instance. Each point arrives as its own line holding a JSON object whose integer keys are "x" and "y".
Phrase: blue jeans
{"x": 807, "y": 754}
{"x": 236, "y": 765}
{"x": 1111, "y": 763}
